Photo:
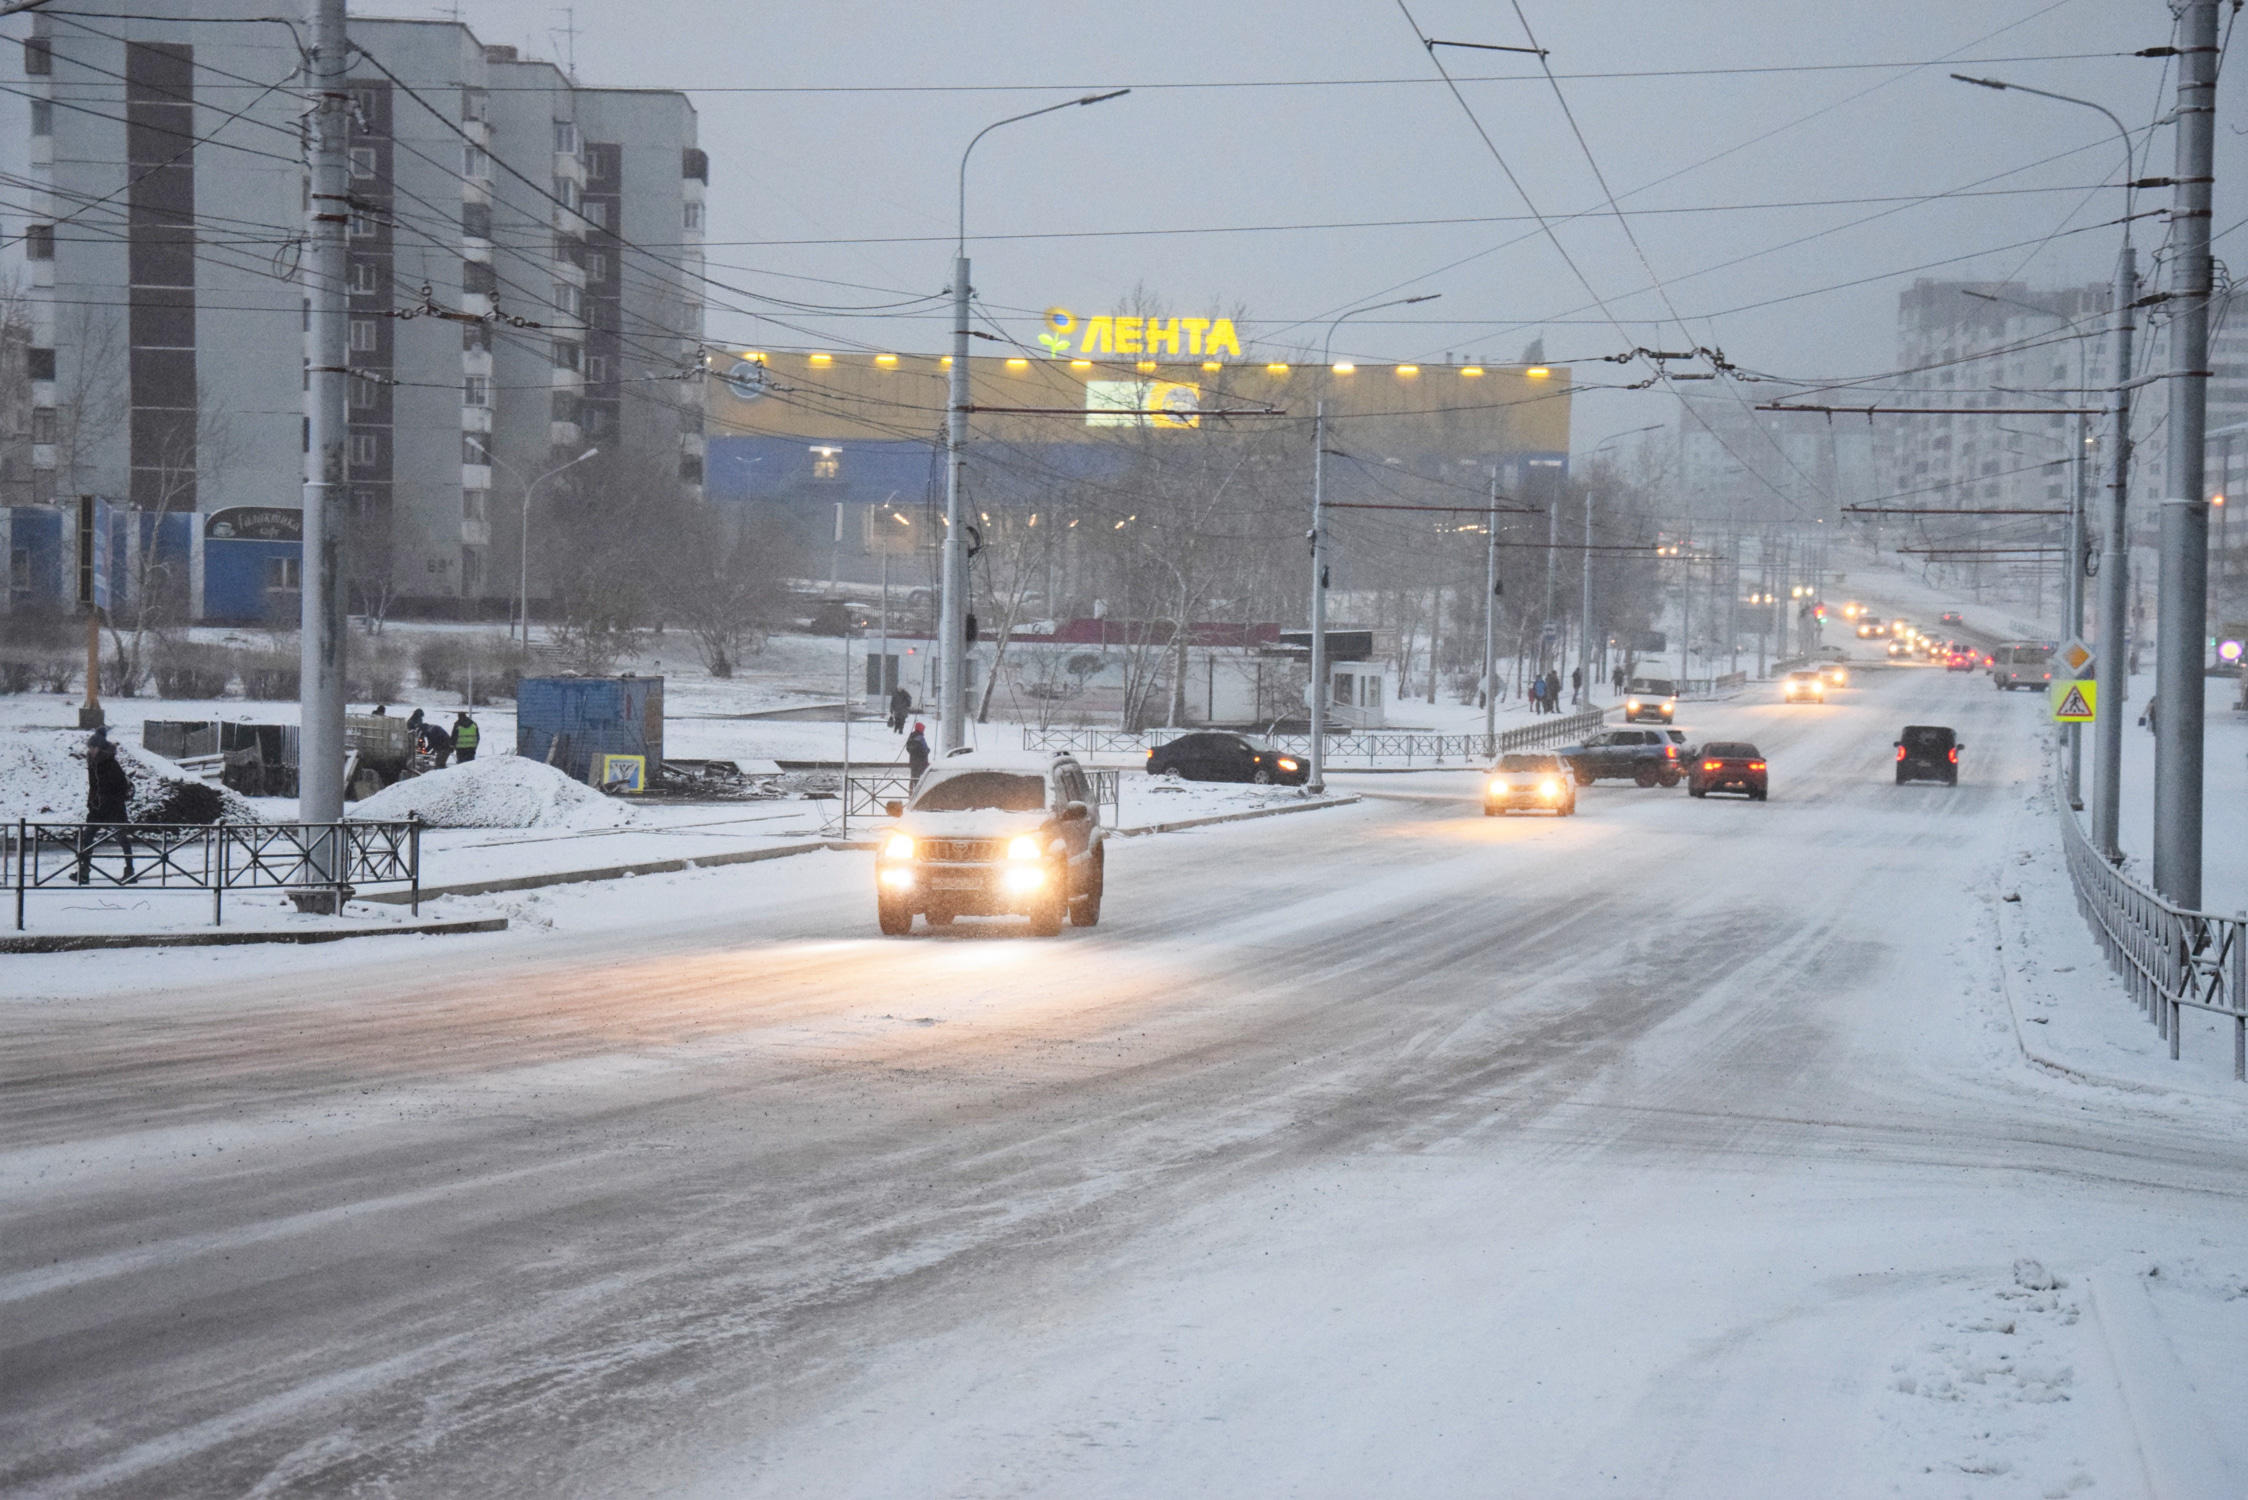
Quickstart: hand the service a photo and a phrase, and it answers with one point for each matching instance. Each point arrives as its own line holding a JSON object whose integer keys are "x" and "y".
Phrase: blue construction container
{"x": 604, "y": 731}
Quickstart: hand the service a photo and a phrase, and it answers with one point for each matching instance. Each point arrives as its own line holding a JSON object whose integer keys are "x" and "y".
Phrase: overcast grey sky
{"x": 843, "y": 122}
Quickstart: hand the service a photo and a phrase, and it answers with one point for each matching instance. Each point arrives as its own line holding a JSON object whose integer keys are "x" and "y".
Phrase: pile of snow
{"x": 43, "y": 777}
{"x": 506, "y": 791}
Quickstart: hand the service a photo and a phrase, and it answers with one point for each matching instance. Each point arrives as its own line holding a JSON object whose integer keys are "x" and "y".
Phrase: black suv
{"x": 991, "y": 834}
{"x": 1928, "y": 752}
{"x": 1222, "y": 755}
{"x": 1649, "y": 757}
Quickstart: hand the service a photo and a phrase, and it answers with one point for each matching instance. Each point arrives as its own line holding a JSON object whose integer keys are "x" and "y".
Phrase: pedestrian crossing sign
{"x": 2073, "y": 701}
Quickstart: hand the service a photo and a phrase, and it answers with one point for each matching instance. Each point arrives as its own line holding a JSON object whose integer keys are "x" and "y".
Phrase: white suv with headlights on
{"x": 989, "y": 834}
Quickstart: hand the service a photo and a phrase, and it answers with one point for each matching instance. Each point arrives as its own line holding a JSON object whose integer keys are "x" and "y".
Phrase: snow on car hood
{"x": 972, "y": 823}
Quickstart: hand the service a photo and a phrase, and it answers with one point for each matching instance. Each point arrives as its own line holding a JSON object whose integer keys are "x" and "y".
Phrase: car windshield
{"x": 972, "y": 791}
{"x": 1527, "y": 763}
{"x": 1653, "y": 687}
{"x": 1730, "y": 750}
{"x": 1921, "y": 737}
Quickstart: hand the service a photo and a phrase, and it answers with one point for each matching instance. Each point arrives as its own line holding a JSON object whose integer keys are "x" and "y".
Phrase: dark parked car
{"x": 1646, "y": 756}
{"x": 1729, "y": 766}
{"x": 1221, "y": 755}
{"x": 1928, "y": 752}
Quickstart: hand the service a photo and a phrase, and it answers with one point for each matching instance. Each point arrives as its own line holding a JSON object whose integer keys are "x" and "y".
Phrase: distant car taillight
{"x": 1955, "y": 755}
{"x": 1670, "y": 752}
{"x": 1900, "y": 752}
{"x": 1712, "y": 765}
{"x": 1756, "y": 765}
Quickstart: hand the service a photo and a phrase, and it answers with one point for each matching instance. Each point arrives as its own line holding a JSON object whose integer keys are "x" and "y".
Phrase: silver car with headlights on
{"x": 990, "y": 834}
{"x": 1529, "y": 781}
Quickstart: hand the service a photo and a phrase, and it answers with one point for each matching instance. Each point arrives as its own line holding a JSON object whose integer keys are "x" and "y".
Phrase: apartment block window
{"x": 365, "y": 337}
{"x": 363, "y": 278}
{"x": 596, "y": 214}
{"x": 39, "y": 364}
{"x": 477, "y": 276}
{"x": 595, "y": 419}
{"x": 694, "y": 163}
{"x": 476, "y": 220}
{"x": 827, "y": 463}
{"x": 566, "y": 191}
{"x": 473, "y": 449}
{"x": 691, "y": 469}
{"x": 476, "y": 390}
{"x": 565, "y": 138}
{"x": 42, "y": 117}
{"x": 597, "y": 369}
{"x": 474, "y": 103}
{"x": 42, "y": 424}
{"x": 568, "y": 299}
{"x": 597, "y": 267}
{"x": 362, "y": 225}
{"x": 565, "y": 407}
{"x": 472, "y": 569}
{"x": 284, "y": 575}
{"x": 38, "y": 56}
{"x": 476, "y": 163}
{"x": 363, "y": 394}
{"x": 476, "y": 505}
{"x": 366, "y": 449}
{"x": 567, "y": 354}
{"x": 363, "y": 161}
{"x": 39, "y": 242}
{"x": 694, "y": 216}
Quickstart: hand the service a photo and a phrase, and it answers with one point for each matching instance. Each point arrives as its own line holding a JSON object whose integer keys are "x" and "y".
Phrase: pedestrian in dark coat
{"x": 1537, "y": 695}
{"x": 109, "y": 792}
{"x": 901, "y": 704}
{"x": 438, "y": 744}
{"x": 916, "y": 754}
{"x": 1553, "y": 690}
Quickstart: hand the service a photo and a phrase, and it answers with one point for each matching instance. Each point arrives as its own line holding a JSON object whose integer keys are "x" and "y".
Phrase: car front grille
{"x": 963, "y": 851}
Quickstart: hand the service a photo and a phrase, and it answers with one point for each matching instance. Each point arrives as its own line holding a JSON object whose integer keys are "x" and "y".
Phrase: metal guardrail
{"x": 867, "y": 797}
{"x": 2168, "y": 958}
{"x": 1368, "y": 746}
{"x": 217, "y": 857}
{"x": 1713, "y": 687}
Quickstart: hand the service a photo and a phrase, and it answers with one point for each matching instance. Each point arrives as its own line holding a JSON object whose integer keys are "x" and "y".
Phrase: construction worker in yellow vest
{"x": 465, "y": 736}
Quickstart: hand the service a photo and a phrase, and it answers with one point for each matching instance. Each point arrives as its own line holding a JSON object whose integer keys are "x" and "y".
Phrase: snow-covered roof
{"x": 1026, "y": 762}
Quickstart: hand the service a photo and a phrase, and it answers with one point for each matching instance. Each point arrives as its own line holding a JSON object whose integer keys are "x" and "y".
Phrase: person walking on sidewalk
{"x": 901, "y": 704}
{"x": 916, "y": 754}
{"x": 109, "y": 791}
{"x": 465, "y": 736}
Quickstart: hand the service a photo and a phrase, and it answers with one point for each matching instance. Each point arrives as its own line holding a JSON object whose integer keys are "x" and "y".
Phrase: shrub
{"x": 379, "y": 676}
{"x": 184, "y": 669}
{"x": 17, "y": 675}
{"x": 271, "y": 677}
{"x": 442, "y": 663}
{"x": 55, "y": 674}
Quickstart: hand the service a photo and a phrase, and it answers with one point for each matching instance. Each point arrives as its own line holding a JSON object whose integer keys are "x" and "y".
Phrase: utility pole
{"x": 1584, "y": 622}
{"x": 2183, "y": 620}
{"x": 1491, "y": 619}
{"x": 1552, "y": 627}
{"x": 952, "y": 578}
{"x": 1318, "y": 781}
{"x": 952, "y": 586}
{"x": 2074, "y": 733}
{"x": 322, "y": 638}
{"x": 2112, "y": 670}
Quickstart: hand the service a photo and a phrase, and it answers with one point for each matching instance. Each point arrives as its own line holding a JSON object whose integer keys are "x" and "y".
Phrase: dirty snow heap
{"x": 506, "y": 791}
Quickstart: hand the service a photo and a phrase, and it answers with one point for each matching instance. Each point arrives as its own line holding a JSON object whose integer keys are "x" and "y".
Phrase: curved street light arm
{"x": 962, "y": 247}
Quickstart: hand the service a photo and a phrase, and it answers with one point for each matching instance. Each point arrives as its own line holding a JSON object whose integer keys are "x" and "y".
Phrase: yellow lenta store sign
{"x": 1202, "y": 338}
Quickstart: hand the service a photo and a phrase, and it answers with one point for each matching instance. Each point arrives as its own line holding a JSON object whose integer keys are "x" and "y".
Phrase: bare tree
{"x": 195, "y": 448}
{"x": 732, "y": 584}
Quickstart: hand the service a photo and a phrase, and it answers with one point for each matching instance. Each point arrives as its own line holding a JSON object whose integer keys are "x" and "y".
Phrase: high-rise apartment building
{"x": 524, "y": 280}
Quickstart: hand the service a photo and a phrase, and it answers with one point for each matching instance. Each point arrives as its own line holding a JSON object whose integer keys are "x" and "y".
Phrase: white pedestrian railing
{"x": 1364, "y": 748}
{"x": 2169, "y": 959}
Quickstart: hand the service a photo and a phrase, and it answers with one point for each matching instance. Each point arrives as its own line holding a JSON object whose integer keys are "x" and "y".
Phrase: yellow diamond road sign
{"x": 2076, "y": 656}
{"x": 2072, "y": 702}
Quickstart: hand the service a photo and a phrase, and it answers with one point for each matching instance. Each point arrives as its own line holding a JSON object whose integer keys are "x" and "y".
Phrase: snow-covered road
{"x": 1681, "y": 1148}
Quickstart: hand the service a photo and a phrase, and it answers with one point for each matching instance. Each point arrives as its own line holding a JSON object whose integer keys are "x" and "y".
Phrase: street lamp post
{"x": 2111, "y": 682}
{"x": 1584, "y": 624}
{"x": 523, "y": 562}
{"x": 952, "y": 587}
{"x": 1318, "y": 778}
